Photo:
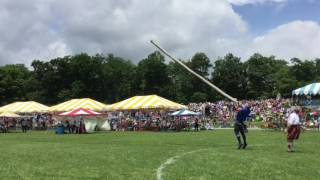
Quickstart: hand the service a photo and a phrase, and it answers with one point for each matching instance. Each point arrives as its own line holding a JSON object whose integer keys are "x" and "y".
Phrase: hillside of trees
{"x": 110, "y": 79}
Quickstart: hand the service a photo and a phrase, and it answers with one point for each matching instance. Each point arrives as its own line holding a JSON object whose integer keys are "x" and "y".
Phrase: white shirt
{"x": 293, "y": 119}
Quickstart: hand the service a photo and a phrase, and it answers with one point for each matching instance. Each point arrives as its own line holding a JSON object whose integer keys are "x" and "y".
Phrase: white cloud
{"x": 26, "y": 33}
{"x": 296, "y": 39}
{"x": 243, "y": 2}
{"x": 44, "y": 29}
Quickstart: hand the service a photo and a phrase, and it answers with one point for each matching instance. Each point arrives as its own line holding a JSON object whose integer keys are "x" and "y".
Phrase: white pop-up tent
{"x": 184, "y": 112}
{"x": 309, "y": 90}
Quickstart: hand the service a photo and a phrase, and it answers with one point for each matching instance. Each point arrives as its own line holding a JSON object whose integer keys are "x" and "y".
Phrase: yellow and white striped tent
{"x": 9, "y": 114}
{"x": 145, "y": 102}
{"x": 25, "y": 107}
{"x": 85, "y": 103}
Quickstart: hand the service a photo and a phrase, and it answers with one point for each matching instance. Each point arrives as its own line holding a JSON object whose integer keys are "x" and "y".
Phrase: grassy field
{"x": 130, "y": 155}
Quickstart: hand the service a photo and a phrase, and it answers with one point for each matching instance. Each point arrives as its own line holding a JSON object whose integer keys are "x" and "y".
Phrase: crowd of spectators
{"x": 27, "y": 122}
{"x": 269, "y": 113}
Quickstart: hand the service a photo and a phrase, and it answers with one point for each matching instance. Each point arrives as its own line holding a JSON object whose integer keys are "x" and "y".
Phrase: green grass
{"x": 130, "y": 155}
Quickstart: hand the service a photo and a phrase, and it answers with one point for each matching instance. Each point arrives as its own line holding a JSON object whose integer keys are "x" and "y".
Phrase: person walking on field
{"x": 240, "y": 128}
{"x": 293, "y": 128}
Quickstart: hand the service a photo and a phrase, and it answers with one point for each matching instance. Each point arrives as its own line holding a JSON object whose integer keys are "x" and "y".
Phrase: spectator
{"x": 24, "y": 125}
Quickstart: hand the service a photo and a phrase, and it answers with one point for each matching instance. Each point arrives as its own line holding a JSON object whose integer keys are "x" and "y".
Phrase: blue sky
{"x": 266, "y": 16}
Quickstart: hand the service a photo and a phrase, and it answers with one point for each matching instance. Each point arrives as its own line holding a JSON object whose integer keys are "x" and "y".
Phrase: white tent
{"x": 92, "y": 123}
{"x": 185, "y": 112}
{"x": 311, "y": 90}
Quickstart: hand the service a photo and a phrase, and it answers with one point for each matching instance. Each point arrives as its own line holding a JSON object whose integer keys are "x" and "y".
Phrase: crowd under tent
{"x": 90, "y": 118}
{"x": 308, "y": 96}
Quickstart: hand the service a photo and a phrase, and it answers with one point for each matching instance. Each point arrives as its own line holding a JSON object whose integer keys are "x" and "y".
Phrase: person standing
{"x": 6, "y": 125}
{"x": 82, "y": 127}
{"x": 24, "y": 125}
{"x": 196, "y": 124}
{"x": 77, "y": 125}
{"x": 240, "y": 127}
{"x": 293, "y": 128}
{"x": 68, "y": 126}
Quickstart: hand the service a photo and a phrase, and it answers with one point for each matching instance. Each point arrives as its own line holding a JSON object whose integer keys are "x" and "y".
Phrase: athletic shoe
{"x": 240, "y": 146}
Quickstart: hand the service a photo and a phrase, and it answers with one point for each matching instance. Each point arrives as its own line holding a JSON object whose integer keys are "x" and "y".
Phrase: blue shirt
{"x": 243, "y": 114}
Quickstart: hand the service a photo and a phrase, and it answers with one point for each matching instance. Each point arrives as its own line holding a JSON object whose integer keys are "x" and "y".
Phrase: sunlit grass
{"x": 137, "y": 155}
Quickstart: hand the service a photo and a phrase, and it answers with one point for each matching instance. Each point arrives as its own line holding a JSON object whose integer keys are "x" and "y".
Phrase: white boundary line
{"x": 173, "y": 160}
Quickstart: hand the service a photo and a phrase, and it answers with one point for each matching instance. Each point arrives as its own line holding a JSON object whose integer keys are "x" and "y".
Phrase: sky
{"x": 46, "y": 29}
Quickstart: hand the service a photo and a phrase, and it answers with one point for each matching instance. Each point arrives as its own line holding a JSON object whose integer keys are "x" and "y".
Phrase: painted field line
{"x": 173, "y": 160}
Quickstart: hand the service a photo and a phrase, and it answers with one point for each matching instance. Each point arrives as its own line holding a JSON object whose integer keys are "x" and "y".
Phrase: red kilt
{"x": 293, "y": 132}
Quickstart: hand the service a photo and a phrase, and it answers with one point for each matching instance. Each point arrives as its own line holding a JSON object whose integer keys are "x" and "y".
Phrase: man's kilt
{"x": 293, "y": 132}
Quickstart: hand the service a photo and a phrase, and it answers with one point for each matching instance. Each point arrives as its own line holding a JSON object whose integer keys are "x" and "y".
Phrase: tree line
{"x": 109, "y": 79}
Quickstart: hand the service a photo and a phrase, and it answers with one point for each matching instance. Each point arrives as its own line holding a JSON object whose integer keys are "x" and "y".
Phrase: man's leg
{"x": 290, "y": 145}
{"x": 243, "y": 137}
{"x": 237, "y": 133}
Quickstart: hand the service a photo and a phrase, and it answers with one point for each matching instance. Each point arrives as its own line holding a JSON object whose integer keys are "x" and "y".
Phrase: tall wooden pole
{"x": 194, "y": 73}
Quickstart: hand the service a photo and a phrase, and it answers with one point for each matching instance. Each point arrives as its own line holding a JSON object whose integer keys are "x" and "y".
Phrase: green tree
{"x": 118, "y": 78}
{"x": 229, "y": 74}
{"x": 110, "y": 79}
{"x": 180, "y": 83}
{"x": 284, "y": 83}
{"x": 76, "y": 76}
{"x": 14, "y": 83}
{"x": 317, "y": 63}
{"x": 199, "y": 97}
{"x": 200, "y": 63}
{"x": 261, "y": 73}
{"x": 152, "y": 75}
{"x": 304, "y": 72}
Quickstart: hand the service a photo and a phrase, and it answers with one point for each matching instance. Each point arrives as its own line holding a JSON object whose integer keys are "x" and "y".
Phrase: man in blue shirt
{"x": 240, "y": 127}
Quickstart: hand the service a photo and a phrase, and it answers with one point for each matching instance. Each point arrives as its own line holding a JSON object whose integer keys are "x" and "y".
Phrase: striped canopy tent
{"x": 80, "y": 112}
{"x": 25, "y": 107}
{"x": 8, "y": 114}
{"x": 85, "y": 103}
{"x": 309, "y": 90}
{"x": 145, "y": 102}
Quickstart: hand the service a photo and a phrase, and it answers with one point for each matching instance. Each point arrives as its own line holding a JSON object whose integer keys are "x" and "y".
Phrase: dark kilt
{"x": 293, "y": 132}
